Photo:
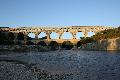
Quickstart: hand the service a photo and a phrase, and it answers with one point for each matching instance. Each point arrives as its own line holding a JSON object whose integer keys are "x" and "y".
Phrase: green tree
{"x": 42, "y": 43}
{"x": 29, "y": 43}
{"x": 107, "y": 34}
{"x": 79, "y": 43}
{"x": 67, "y": 45}
{"x": 20, "y": 36}
{"x": 85, "y": 40}
{"x": 3, "y": 38}
{"x": 11, "y": 36}
{"x": 53, "y": 45}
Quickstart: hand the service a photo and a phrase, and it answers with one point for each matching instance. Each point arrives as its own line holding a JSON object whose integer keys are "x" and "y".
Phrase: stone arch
{"x": 67, "y": 35}
{"x": 54, "y": 35}
{"x": 42, "y": 35}
{"x": 31, "y": 35}
{"x": 91, "y": 33}
{"x": 79, "y": 35}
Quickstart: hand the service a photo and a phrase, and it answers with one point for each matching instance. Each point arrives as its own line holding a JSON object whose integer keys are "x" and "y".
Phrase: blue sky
{"x": 14, "y": 13}
{"x": 19, "y": 13}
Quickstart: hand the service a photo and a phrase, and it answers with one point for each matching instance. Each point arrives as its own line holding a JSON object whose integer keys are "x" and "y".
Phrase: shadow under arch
{"x": 53, "y": 45}
{"x": 67, "y": 45}
{"x": 42, "y": 43}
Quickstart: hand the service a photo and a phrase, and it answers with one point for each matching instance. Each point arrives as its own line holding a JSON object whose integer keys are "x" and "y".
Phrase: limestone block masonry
{"x": 109, "y": 44}
{"x": 104, "y": 44}
{"x": 60, "y": 30}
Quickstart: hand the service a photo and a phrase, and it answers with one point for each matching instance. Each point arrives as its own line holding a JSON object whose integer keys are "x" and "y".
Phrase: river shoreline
{"x": 71, "y": 64}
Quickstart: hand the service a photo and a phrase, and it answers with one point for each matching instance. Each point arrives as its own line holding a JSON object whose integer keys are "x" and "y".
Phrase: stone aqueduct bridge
{"x": 60, "y": 30}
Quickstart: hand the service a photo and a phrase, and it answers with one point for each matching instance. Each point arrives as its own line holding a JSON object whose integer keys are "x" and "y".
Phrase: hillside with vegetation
{"x": 107, "y": 34}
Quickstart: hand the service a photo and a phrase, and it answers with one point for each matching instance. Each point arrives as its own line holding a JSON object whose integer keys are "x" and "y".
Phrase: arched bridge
{"x": 60, "y": 30}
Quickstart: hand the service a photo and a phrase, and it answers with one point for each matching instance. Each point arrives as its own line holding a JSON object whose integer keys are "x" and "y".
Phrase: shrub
{"x": 29, "y": 43}
{"x": 67, "y": 45}
{"x": 42, "y": 48}
{"x": 79, "y": 43}
{"x": 53, "y": 45}
{"x": 42, "y": 43}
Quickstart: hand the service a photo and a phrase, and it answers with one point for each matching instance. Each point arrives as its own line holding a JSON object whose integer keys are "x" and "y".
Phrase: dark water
{"x": 85, "y": 65}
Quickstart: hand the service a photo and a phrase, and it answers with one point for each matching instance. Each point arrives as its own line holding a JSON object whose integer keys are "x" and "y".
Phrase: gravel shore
{"x": 60, "y": 65}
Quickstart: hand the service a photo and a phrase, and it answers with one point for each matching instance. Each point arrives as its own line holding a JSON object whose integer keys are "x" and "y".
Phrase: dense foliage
{"x": 6, "y": 38}
{"x": 85, "y": 40}
{"x": 107, "y": 34}
{"x": 42, "y": 43}
{"x": 53, "y": 45}
{"x": 67, "y": 45}
{"x": 11, "y": 36}
{"x": 29, "y": 43}
{"x": 20, "y": 36}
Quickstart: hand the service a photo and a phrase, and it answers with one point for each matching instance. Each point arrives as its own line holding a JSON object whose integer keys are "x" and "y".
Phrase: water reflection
{"x": 113, "y": 52}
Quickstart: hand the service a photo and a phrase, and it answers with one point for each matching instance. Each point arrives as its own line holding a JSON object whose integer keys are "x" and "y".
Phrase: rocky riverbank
{"x": 60, "y": 65}
{"x": 16, "y": 71}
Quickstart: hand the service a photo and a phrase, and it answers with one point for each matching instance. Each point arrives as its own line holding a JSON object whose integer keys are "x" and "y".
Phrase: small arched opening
{"x": 42, "y": 36}
{"x": 79, "y": 35}
{"x": 31, "y": 36}
{"x": 90, "y": 34}
{"x": 54, "y": 35}
{"x": 67, "y": 35}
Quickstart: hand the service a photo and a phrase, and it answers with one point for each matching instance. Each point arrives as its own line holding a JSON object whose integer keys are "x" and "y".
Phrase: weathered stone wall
{"x": 59, "y": 30}
{"x": 109, "y": 44}
{"x": 105, "y": 44}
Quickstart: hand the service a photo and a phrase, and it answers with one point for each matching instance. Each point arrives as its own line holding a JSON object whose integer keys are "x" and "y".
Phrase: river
{"x": 92, "y": 65}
